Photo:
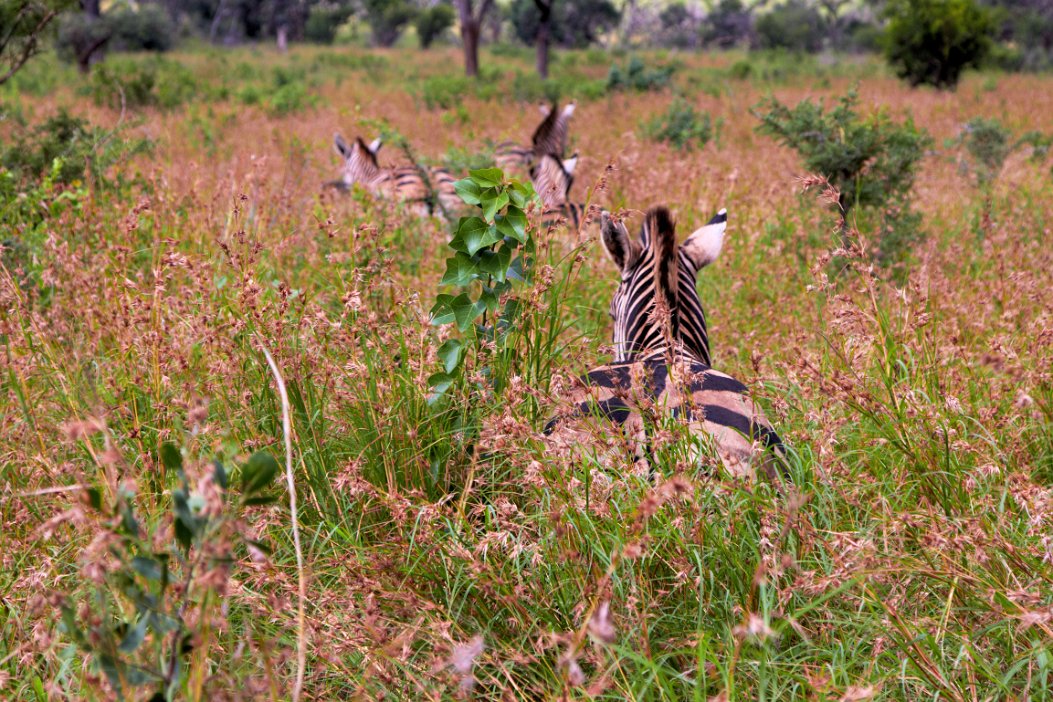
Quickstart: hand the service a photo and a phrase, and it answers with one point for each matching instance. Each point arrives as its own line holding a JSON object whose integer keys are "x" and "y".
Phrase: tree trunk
{"x": 92, "y": 8}
{"x": 471, "y": 28}
{"x": 543, "y": 33}
{"x": 283, "y": 38}
{"x": 470, "y": 39}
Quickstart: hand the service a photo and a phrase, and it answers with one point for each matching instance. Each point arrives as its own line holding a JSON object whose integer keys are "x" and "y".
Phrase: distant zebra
{"x": 550, "y": 137}
{"x": 662, "y": 359}
{"x": 406, "y": 183}
{"x": 552, "y": 179}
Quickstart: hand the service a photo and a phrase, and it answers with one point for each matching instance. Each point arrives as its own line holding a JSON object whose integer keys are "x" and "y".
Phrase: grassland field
{"x": 448, "y": 552}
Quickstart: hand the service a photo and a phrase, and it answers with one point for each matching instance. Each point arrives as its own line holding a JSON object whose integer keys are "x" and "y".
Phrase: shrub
{"x": 793, "y": 26}
{"x": 432, "y": 22}
{"x": 870, "y": 161}
{"x": 682, "y": 126}
{"x": 130, "y": 83}
{"x": 931, "y": 42}
{"x": 987, "y": 143}
{"x": 445, "y": 92}
{"x": 637, "y": 76}
{"x": 140, "y": 620}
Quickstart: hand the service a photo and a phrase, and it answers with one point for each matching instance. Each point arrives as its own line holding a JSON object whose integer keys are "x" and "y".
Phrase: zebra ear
{"x": 622, "y": 250}
{"x": 569, "y": 110}
{"x": 342, "y": 147}
{"x": 544, "y": 108}
{"x": 570, "y": 164}
{"x": 375, "y": 145}
{"x": 703, "y": 247}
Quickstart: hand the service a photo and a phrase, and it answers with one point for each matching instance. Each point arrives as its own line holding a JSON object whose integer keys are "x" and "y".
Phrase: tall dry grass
{"x": 451, "y": 554}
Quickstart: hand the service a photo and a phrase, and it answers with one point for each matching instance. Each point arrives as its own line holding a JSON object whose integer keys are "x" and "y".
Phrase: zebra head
{"x": 654, "y": 269}
{"x": 360, "y": 160}
{"x": 550, "y": 137}
{"x": 552, "y": 178}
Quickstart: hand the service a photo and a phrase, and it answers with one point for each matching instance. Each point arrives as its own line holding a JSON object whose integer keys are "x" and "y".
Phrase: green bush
{"x": 133, "y": 83}
{"x": 432, "y": 22}
{"x": 794, "y": 26}
{"x": 682, "y": 126}
{"x": 987, "y": 143}
{"x": 637, "y": 76}
{"x": 931, "y": 42}
{"x": 445, "y": 91}
{"x": 870, "y": 161}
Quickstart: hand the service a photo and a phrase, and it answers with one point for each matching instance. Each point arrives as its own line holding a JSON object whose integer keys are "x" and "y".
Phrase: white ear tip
{"x": 723, "y": 212}
{"x": 569, "y": 109}
{"x": 570, "y": 164}
{"x": 374, "y": 146}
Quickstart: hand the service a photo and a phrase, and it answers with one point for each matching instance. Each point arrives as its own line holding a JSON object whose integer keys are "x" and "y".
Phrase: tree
{"x": 432, "y": 22}
{"x": 387, "y": 19}
{"x": 572, "y": 23}
{"x": 793, "y": 25}
{"x": 931, "y": 42}
{"x": 471, "y": 26}
{"x": 24, "y": 24}
{"x": 729, "y": 24}
{"x": 544, "y": 28}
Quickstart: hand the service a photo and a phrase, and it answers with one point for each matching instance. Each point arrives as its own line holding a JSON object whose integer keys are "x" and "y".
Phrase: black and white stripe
{"x": 550, "y": 137}
{"x": 552, "y": 179}
{"x": 662, "y": 356}
{"x": 430, "y": 189}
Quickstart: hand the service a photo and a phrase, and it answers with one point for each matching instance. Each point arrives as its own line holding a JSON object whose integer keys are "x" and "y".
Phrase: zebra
{"x": 418, "y": 186}
{"x": 550, "y": 137}
{"x": 552, "y": 179}
{"x": 662, "y": 356}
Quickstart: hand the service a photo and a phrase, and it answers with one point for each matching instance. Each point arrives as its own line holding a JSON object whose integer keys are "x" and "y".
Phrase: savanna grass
{"x": 449, "y": 551}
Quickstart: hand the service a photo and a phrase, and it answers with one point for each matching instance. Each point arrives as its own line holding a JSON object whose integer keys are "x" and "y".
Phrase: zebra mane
{"x": 550, "y": 137}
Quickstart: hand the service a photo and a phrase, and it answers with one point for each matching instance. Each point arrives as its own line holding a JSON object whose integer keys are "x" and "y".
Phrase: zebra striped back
{"x": 552, "y": 179}
{"x": 662, "y": 351}
{"x": 411, "y": 184}
{"x": 550, "y": 137}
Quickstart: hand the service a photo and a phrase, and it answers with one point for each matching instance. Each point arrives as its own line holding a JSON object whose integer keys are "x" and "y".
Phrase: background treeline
{"x": 925, "y": 41}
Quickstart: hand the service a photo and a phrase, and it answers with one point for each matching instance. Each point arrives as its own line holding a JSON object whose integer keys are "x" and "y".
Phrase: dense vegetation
{"x": 166, "y": 240}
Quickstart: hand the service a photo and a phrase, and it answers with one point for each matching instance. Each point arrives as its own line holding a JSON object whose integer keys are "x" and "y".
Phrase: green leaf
{"x": 476, "y": 234}
{"x": 170, "y": 456}
{"x": 149, "y": 568}
{"x": 258, "y": 472}
{"x": 441, "y": 312}
{"x": 465, "y": 311}
{"x": 468, "y": 191}
{"x": 487, "y": 177}
{"x": 512, "y": 224}
{"x": 490, "y": 299}
{"x": 439, "y": 384}
{"x": 135, "y": 636}
{"x": 460, "y": 270}
{"x": 94, "y": 498}
{"x": 495, "y": 263}
{"x": 451, "y": 353}
{"x": 259, "y": 500}
{"x": 219, "y": 474}
{"x": 491, "y": 206}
